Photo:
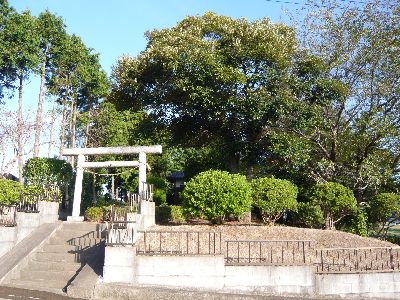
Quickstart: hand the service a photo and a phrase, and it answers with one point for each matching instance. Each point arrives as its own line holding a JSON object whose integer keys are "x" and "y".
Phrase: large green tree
{"x": 213, "y": 78}
{"x": 19, "y": 52}
{"x": 351, "y": 134}
{"x": 51, "y": 32}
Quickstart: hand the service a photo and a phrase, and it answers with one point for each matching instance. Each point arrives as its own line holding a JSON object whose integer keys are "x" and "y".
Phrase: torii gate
{"x": 81, "y": 164}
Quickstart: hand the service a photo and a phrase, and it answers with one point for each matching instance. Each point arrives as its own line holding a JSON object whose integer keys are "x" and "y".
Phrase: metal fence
{"x": 179, "y": 243}
{"x": 8, "y": 215}
{"x": 355, "y": 260}
{"x": 147, "y": 192}
{"x": 120, "y": 233}
{"x": 29, "y": 203}
{"x": 288, "y": 252}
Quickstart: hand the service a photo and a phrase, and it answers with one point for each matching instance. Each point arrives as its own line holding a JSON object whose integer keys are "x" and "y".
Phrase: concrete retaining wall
{"x": 365, "y": 285}
{"x": 48, "y": 211}
{"x": 148, "y": 213}
{"x": 180, "y": 271}
{"x": 8, "y": 238}
{"x": 286, "y": 280}
{"x": 210, "y": 273}
{"x": 119, "y": 264}
{"x": 26, "y": 224}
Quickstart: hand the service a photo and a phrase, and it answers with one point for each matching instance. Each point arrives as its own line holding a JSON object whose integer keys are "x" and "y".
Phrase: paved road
{"x": 8, "y": 293}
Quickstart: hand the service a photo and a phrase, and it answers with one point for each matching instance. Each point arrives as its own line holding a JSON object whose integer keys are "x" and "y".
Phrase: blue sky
{"x": 117, "y": 27}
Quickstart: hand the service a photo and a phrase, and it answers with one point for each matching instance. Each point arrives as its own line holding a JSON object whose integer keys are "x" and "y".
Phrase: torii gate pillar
{"x": 81, "y": 164}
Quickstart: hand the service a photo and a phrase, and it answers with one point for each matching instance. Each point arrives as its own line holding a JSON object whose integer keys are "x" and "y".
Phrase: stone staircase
{"x": 55, "y": 264}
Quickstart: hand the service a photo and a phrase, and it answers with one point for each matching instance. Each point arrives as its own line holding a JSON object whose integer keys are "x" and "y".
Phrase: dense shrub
{"x": 335, "y": 200}
{"x": 214, "y": 194}
{"x": 170, "y": 214}
{"x": 381, "y": 207}
{"x": 95, "y": 214}
{"x": 273, "y": 197}
{"x": 355, "y": 223}
{"x": 10, "y": 191}
{"x": 160, "y": 190}
{"x": 47, "y": 171}
{"x": 307, "y": 215}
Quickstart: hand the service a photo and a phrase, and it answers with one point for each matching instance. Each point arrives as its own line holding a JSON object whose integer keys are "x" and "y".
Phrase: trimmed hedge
{"x": 216, "y": 194}
{"x": 10, "y": 191}
{"x": 170, "y": 214}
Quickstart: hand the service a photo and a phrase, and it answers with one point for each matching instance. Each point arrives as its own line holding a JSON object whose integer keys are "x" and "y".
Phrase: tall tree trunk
{"x": 20, "y": 132}
{"x": 233, "y": 164}
{"x": 53, "y": 119}
{"x": 329, "y": 225}
{"x": 39, "y": 113}
{"x": 64, "y": 120}
{"x": 73, "y": 128}
{"x": 63, "y": 127}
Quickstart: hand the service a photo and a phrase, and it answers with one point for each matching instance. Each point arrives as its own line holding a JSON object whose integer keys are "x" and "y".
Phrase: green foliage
{"x": 214, "y": 194}
{"x": 95, "y": 214}
{"x": 10, "y": 191}
{"x": 233, "y": 71}
{"x": 355, "y": 223}
{"x": 47, "y": 171}
{"x": 382, "y": 206}
{"x": 307, "y": 215}
{"x": 170, "y": 214}
{"x": 395, "y": 239}
{"x": 335, "y": 200}
{"x": 273, "y": 197}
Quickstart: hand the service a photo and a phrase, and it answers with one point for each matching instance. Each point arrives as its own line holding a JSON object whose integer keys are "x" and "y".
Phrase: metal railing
{"x": 289, "y": 252}
{"x": 121, "y": 233}
{"x": 8, "y": 215}
{"x": 179, "y": 243}
{"x": 29, "y": 203}
{"x": 133, "y": 202}
{"x": 357, "y": 260}
{"x": 147, "y": 192}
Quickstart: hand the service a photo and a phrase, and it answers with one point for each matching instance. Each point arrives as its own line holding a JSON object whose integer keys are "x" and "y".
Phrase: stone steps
{"x": 47, "y": 275}
{"x": 35, "y": 265}
{"x": 55, "y": 264}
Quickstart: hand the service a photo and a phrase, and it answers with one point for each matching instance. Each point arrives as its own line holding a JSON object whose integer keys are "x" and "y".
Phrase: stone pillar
{"x": 142, "y": 171}
{"x": 76, "y": 209}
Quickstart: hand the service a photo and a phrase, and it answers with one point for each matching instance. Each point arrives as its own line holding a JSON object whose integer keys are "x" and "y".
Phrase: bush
{"x": 335, "y": 200}
{"x": 95, "y": 214}
{"x": 273, "y": 197}
{"x": 355, "y": 223}
{"x": 308, "y": 215}
{"x": 10, "y": 191}
{"x": 214, "y": 194}
{"x": 170, "y": 214}
{"x": 160, "y": 190}
{"x": 47, "y": 171}
{"x": 381, "y": 207}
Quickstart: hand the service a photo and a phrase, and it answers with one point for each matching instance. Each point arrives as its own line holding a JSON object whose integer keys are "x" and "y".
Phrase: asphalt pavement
{"x": 9, "y": 293}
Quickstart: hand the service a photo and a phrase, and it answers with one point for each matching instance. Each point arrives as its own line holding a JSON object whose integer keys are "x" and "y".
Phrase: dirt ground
{"x": 323, "y": 238}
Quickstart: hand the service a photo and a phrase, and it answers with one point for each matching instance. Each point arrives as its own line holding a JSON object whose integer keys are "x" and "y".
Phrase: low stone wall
{"x": 202, "y": 271}
{"x": 26, "y": 224}
{"x": 275, "y": 280}
{"x": 207, "y": 272}
{"x": 8, "y": 238}
{"x": 364, "y": 285}
{"x": 48, "y": 211}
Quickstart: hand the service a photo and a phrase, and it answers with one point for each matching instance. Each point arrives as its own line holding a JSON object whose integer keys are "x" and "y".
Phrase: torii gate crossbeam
{"x": 81, "y": 164}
